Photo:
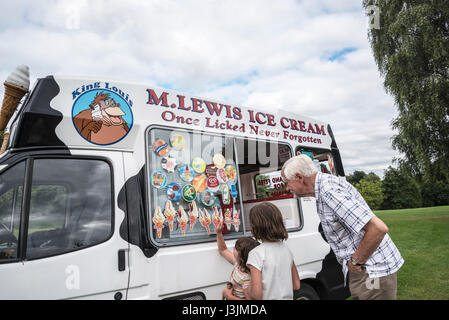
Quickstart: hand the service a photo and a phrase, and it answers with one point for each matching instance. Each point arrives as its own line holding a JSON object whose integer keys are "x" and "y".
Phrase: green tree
{"x": 371, "y": 190}
{"x": 355, "y": 177}
{"x": 372, "y": 177}
{"x": 435, "y": 193}
{"x": 400, "y": 190}
{"x": 411, "y": 50}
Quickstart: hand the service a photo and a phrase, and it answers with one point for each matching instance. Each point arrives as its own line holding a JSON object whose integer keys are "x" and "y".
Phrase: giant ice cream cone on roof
{"x": 16, "y": 86}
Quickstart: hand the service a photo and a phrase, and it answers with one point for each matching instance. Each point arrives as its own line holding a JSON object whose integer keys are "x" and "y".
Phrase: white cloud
{"x": 259, "y": 53}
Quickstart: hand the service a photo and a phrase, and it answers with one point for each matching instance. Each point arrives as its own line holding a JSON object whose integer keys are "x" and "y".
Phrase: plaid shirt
{"x": 343, "y": 213}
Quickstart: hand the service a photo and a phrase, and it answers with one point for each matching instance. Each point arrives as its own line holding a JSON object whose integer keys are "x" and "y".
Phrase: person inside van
{"x": 358, "y": 238}
{"x": 240, "y": 276}
{"x": 273, "y": 271}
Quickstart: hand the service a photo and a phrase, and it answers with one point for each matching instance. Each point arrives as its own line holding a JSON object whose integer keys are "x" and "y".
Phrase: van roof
{"x": 66, "y": 112}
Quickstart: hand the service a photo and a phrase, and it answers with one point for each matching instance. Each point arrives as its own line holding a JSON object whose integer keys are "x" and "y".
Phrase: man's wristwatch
{"x": 355, "y": 263}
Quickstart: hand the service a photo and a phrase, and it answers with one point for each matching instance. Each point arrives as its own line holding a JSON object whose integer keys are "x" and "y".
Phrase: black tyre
{"x": 306, "y": 292}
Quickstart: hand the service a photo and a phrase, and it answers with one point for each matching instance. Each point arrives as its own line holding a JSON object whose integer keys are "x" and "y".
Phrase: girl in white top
{"x": 273, "y": 271}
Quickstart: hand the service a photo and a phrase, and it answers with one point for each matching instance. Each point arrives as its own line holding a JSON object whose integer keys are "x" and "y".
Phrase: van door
{"x": 59, "y": 224}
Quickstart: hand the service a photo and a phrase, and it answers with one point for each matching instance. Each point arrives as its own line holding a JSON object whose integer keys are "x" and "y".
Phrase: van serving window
{"x": 260, "y": 179}
{"x": 192, "y": 183}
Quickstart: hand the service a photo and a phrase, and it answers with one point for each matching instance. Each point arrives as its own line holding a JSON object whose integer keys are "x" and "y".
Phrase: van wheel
{"x": 306, "y": 292}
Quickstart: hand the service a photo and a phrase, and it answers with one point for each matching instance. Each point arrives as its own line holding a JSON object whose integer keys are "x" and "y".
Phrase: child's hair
{"x": 266, "y": 223}
{"x": 244, "y": 246}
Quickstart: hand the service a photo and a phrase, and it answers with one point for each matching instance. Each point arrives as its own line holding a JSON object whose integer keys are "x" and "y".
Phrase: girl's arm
{"x": 222, "y": 248}
{"x": 254, "y": 291}
{"x": 295, "y": 277}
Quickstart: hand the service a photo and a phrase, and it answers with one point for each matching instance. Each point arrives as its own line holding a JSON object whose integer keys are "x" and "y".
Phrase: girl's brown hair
{"x": 243, "y": 247}
{"x": 266, "y": 223}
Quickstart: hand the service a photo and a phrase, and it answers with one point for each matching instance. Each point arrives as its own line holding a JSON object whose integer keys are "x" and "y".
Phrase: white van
{"x": 124, "y": 208}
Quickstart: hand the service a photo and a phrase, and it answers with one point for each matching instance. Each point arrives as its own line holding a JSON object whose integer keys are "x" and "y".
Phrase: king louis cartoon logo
{"x": 102, "y": 117}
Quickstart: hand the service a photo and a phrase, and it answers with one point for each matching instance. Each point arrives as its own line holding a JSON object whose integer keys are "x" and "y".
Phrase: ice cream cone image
{"x": 236, "y": 220}
{"x": 193, "y": 214}
{"x": 183, "y": 219}
{"x": 170, "y": 213}
{"x": 217, "y": 218}
{"x": 158, "y": 220}
{"x": 16, "y": 86}
{"x": 205, "y": 219}
{"x": 228, "y": 218}
{"x": 159, "y": 230}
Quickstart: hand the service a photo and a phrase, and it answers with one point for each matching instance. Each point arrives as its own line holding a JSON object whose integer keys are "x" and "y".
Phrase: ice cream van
{"x": 112, "y": 190}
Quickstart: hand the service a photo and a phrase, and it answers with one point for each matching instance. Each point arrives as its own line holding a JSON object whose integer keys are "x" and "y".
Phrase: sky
{"x": 311, "y": 57}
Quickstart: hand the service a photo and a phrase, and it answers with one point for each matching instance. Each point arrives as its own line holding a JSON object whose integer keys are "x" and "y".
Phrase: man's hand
{"x": 375, "y": 231}
{"x": 354, "y": 269}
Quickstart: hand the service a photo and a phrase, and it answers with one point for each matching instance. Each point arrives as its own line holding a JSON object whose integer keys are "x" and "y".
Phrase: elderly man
{"x": 358, "y": 238}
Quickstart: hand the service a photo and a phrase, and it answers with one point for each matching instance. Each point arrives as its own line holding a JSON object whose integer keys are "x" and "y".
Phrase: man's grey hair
{"x": 299, "y": 164}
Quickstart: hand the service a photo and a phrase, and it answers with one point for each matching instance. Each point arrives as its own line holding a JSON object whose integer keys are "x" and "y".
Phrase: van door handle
{"x": 122, "y": 260}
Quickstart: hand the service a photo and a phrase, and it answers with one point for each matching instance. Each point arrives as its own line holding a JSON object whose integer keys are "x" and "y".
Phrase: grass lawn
{"x": 422, "y": 237}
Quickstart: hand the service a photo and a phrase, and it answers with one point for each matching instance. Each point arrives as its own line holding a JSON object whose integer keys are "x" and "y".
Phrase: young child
{"x": 273, "y": 271}
{"x": 240, "y": 276}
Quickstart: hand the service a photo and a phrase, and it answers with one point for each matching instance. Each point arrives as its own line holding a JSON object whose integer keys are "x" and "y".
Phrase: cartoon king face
{"x": 102, "y": 123}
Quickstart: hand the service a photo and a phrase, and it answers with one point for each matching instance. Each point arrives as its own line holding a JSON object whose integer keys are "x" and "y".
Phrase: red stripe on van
{"x": 269, "y": 199}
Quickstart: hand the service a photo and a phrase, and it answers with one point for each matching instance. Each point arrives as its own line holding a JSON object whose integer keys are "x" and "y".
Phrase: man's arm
{"x": 357, "y": 216}
{"x": 375, "y": 231}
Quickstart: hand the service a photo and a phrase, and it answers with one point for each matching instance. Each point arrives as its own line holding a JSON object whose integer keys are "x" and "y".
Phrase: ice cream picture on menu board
{"x": 168, "y": 164}
{"x": 200, "y": 183}
{"x": 177, "y": 141}
{"x": 170, "y": 213}
{"x": 183, "y": 220}
{"x": 158, "y": 220}
{"x": 205, "y": 220}
{"x": 173, "y": 191}
{"x": 158, "y": 179}
{"x": 186, "y": 172}
{"x": 161, "y": 148}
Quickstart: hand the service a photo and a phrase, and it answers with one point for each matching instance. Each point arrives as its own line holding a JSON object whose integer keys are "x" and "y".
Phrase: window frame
{"x": 15, "y": 189}
{"x": 14, "y": 208}
{"x": 29, "y": 158}
{"x": 13, "y": 164}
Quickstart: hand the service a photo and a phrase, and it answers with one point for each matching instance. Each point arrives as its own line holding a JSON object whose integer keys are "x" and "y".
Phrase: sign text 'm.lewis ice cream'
{"x": 210, "y": 114}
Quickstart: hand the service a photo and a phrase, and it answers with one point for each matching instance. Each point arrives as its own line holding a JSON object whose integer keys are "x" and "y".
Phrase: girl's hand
{"x": 219, "y": 228}
{"x": 227, "y": 293}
